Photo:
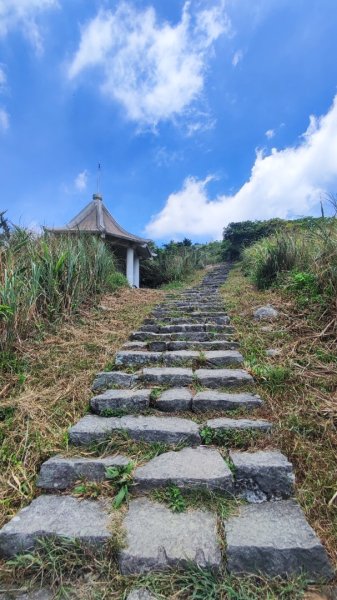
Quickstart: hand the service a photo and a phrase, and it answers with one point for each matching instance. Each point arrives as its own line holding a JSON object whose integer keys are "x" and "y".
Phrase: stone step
{"x": 174, "y": 400}
{"x": 189, "y": 468}
{"x": 262, "y": 475}
{"x": 198, "y": 336}
{"x": 170, "y": 376}
{"x": 180, "y": 345}
{"x": 225, "y": 424}
{"x": 59, "y": 517}
{"x": 108, "y": 379}
{"x": 169, "y": 430}
{"x": 158, "y": 539}
{"x": 213, "y": 358}
{"x": 188, "y": 320}
{"x": 273, "y": 539}
{"x": 220, "y": 401}
{"x": 133, "y": 400}
{"x": 222, "y": 378}
{"x": 60, "y": 473}
{"x": 213, "y": 327}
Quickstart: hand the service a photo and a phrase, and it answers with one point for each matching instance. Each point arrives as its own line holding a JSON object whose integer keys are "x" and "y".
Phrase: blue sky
{"x": 200, "y": 113}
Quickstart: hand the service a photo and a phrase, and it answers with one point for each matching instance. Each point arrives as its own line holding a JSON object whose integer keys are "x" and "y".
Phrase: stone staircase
{"x": 184, "y": 359}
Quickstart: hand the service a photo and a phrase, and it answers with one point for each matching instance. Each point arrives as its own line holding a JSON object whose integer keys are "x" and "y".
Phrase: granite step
{"x": 60, "y": 473}
{"x": 190, "y": 468}
{"x": 167, "y": 376}
{"x": 158, "y": 539}
{"x": 198, "y": 336}
{"x": 59, "y": 517}
{"x": 109, "y": 379}
{"x": 213, "y": 358}
{"x": 169, "y": 430}
{"x": 174, "y": 400}
{"x": 273, "y": 539}
{"x": 210, "y": 400}
{"x": 201, "y": 346}
{"x": 222, "y": 378}
{"x": 224, "y": 424}
{"x": 120, "y": 399}
{"x": 262, "y": 475}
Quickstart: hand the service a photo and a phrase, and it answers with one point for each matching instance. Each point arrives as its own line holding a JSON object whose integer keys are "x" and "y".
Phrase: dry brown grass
{"x": 61, "y": 367}
{"x": 299, "y": 388}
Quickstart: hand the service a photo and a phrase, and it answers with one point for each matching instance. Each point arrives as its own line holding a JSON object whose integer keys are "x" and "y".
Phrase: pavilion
{"x": 128, "y": 248}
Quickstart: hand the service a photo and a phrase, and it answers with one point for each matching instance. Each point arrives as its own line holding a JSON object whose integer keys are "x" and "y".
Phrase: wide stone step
{"x": 60, "y": 473}
{"x": 221, "y": 378}
{"x": 158, "y": 539}
{"x": 213, "y": 358}
{"x": 169, "y": 430}
{"x": 189, "y": 468}
{"x": 200, "y": 346}
{"x": 174, "y": 400}
{"x": 199, "y": 336}
{"x": 133, "y": 400}
{"x": 224, "y": 424}
{"x": 273, "y": 539}
{"x": 262, "y": 475}
{"x": 189, "y": 320}
{"x": 167, "y": 376}
{"x": 212, "y": 400}
{"x": 58, "y": 517}
{"x": 212, "y": 327}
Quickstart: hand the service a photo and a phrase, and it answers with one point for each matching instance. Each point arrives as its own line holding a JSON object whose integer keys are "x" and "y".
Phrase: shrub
{"x": 117, "y": 280}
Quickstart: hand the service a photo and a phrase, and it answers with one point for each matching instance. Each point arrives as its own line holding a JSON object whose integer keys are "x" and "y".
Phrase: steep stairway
{"x": 179, "y": 381}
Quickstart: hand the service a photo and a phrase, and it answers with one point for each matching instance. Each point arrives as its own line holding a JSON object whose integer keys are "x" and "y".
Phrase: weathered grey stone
{"x": 174, "y": 399}
{"x": 274, "y": 539}
{"x": 182, "y": 328}
{"x": 157, "y": 346}
{"x": 107, "y": 379}
{"x": 134, "y": 400}
{"x": 134, "y": 346}
{"x": 265, "y": 313}
{"x": 157, "y": 539}
{"x": 59, "y": 473}
{"x": 202, "y": 346}
{"x": 149, "y": 328}
{"x": 175, "y": 376}
{"x": 181, "y": 357}
{"x": 209, "y": 400}
{"x": 252, "y": 424}
{"x": 188, "y": 468}
{"x": 223, "y": 377}
{"x": 56, "y": 516}
{"x": 272, "y": 352}
{"x": 263, "y": 475}
{"x": 131, "y": 358}
{"x": 222, "y": 358}
{"x": 170, "y": 430}
{"x": 141, "y": 594}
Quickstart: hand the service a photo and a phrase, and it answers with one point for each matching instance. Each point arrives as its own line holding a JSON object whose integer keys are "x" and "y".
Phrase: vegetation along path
{"x": 163, "y": 432}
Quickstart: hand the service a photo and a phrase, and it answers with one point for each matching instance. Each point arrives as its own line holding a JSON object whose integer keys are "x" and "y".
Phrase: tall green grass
{"x": 303, "y": 261}
{"x": 45, "y": 277}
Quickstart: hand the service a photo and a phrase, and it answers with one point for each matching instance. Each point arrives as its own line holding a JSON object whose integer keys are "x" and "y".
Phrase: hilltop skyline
{"x": 200, "y": 113}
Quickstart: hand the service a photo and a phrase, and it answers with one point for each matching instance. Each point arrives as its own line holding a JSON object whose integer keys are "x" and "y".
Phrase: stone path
{"x": 183, "y": 359}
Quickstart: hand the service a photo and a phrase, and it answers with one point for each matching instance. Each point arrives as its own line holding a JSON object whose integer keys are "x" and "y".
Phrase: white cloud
{"x": 81, "y": 181}
{"x": 284, "y": 183}
{"x": 270, "y": 133}
{"x": 3, "y": 78}
{"x": 24, "y": 14}
{"x": 4, "y": 120}
{"x": 155, "y": 70}
{"x": 237, "y": 57}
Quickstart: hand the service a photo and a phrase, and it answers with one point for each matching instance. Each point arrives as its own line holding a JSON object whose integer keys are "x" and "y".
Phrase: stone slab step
{"x": 189, "y": 468}
{"x": 59, "y": 517}
{"x": 141, "y": 594}
{"x": 158, "y": 539}
{"x": 169, "y": 430}
{"x": 262, "y": 475}
{"x": 213, "y": 400}
{"x": 107, "y": 379}
{"x": 212, "y": 327}
{"x": 192, "y": 319}
{"x": 60, "y": 473}
{"x": 174, "y": 400}
{"x": 223, "y": 378}
{"x": 133, "y": 400}
{"x": 201, "y": 346}
{"x": 274, "y": 539}
{"x": 199, "y": 336}
{"x": 224, "y": 424}
{"x": 213, "y": 358}
{"x": 171, "y": 376}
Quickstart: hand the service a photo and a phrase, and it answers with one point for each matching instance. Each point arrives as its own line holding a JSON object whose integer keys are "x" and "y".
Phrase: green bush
{"x": 117, "y": 280}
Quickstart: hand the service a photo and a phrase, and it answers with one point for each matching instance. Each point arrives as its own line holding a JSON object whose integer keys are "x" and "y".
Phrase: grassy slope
{"x": 299, "y": 388}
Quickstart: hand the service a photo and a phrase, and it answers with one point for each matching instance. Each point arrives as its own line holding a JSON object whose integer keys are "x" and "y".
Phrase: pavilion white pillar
{"x": 136, "y": 271}
{"x": 130, "y": 253}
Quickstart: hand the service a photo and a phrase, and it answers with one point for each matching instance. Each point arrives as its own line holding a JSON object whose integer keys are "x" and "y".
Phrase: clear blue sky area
{"x": 200, "y": 113}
